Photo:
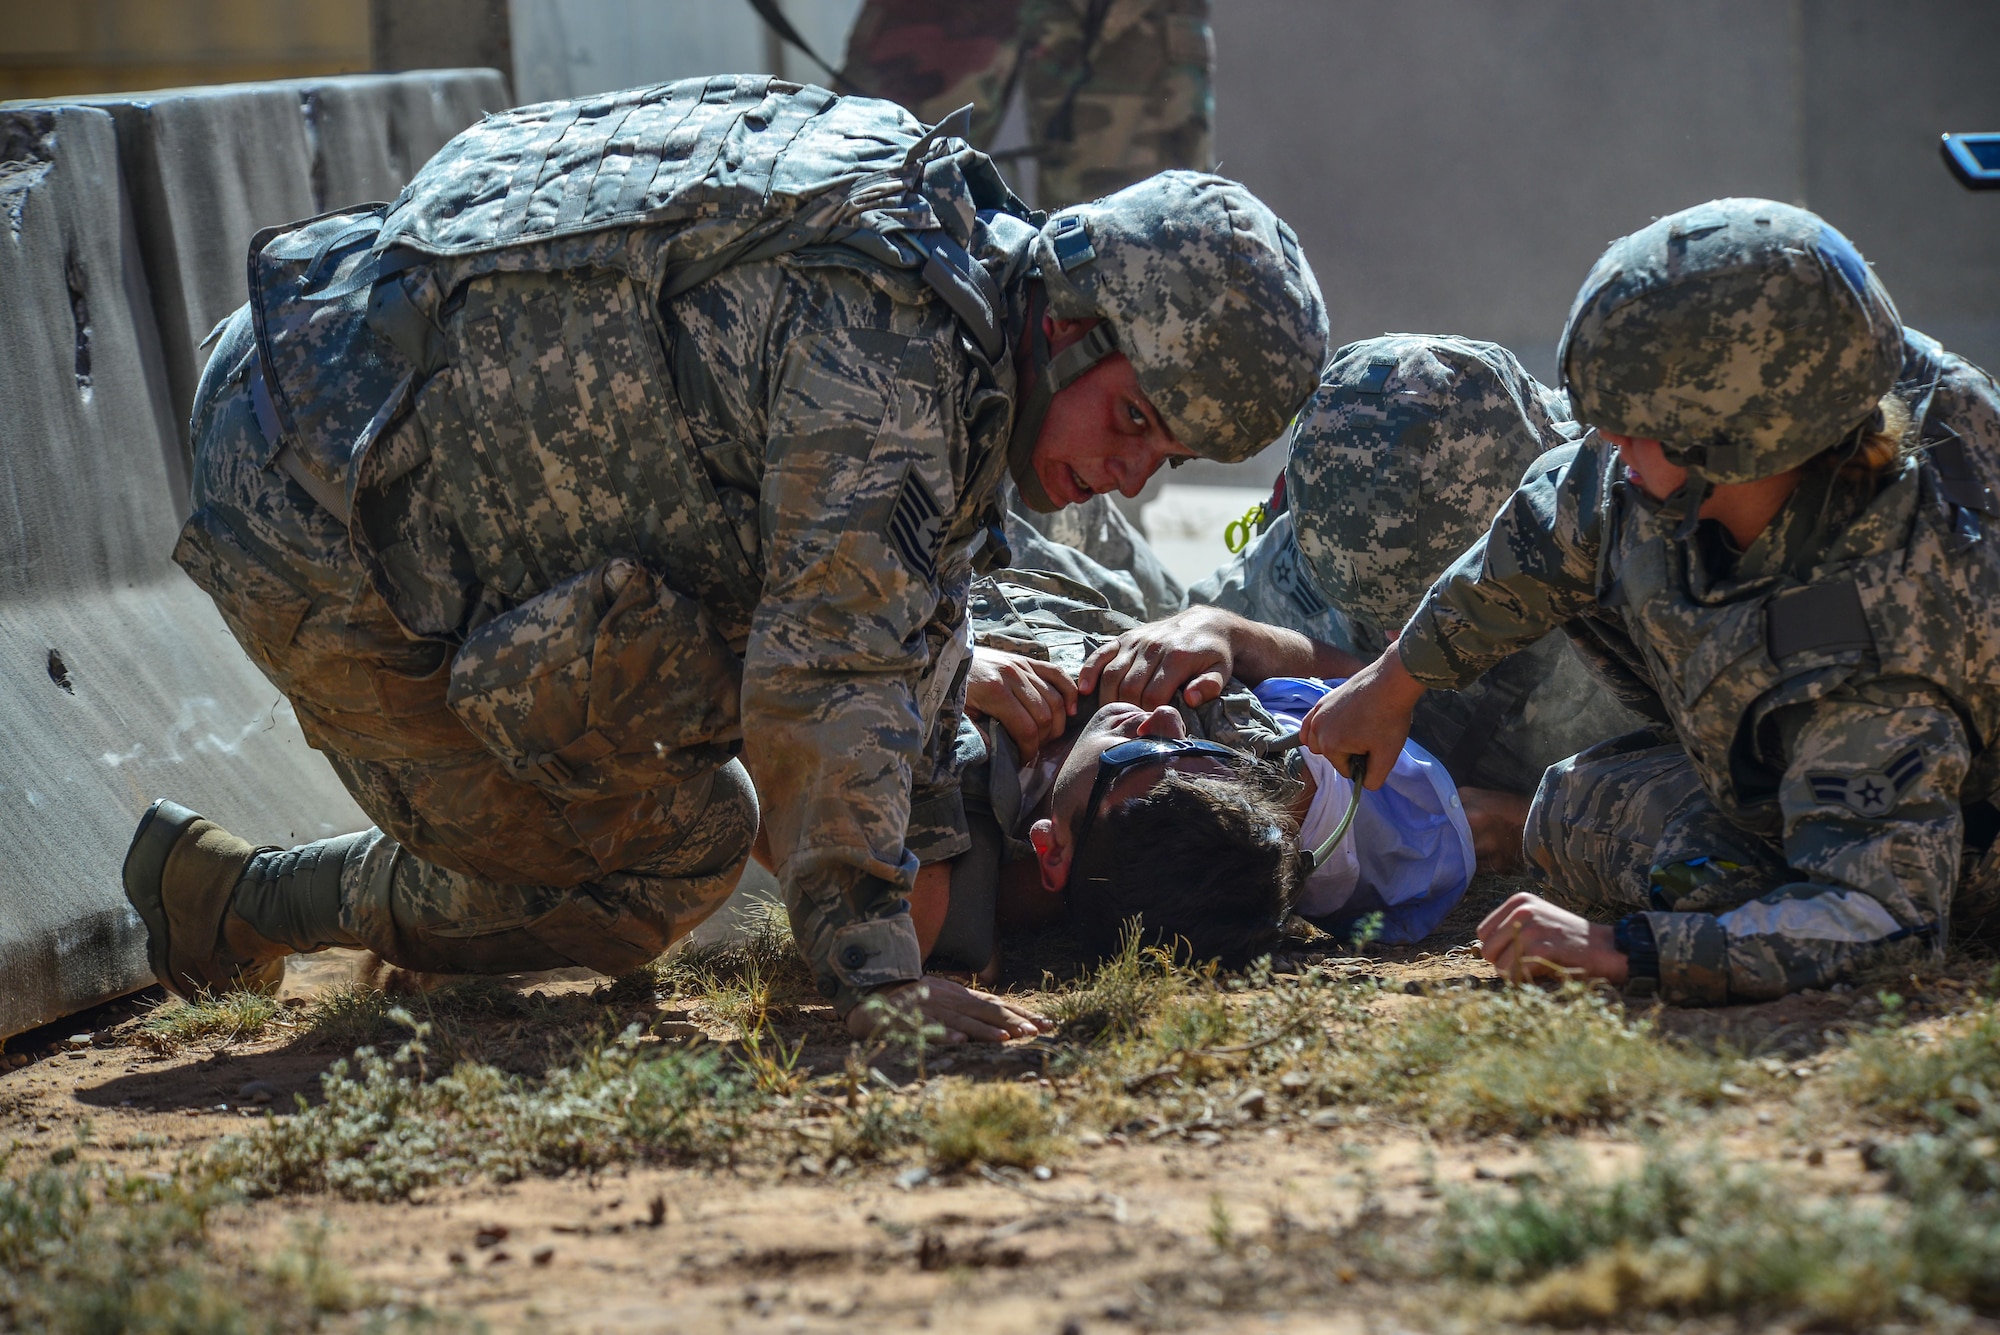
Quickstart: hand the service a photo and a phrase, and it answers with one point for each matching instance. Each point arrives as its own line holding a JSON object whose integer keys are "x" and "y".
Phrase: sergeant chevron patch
{"x": 1871, "y": 792}
{"x": 916, "y": 526}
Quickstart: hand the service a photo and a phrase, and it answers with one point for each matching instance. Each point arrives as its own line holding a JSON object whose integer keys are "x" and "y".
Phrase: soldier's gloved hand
{"x": 1527, "y": 937}
{"x": 1366, "y": 715}
{"x": 1031, "y": 699}
{"x": 962, "y": 1012}
{"x": 1192, "y": 652}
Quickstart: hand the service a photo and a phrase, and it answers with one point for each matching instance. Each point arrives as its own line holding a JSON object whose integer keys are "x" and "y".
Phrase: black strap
{"x": 965, "y": 286}
{"x": 1050, "y": 373}
{"x": 1821, "y": 618}
{"x": 1958, "y": 481}
{"x": 768, "y": 11}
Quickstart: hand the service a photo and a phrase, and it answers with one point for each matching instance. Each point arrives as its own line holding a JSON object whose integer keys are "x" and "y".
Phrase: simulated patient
{"x": 1182, "y": 812}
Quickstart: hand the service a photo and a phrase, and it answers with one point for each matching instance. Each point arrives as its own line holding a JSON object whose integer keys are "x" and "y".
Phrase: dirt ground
{"x": 1124, "y": 1232}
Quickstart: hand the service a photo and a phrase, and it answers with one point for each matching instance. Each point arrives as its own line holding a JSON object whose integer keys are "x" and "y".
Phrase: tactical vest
{"x": 646, "y": 193}
{"x": 1925, "y": 603}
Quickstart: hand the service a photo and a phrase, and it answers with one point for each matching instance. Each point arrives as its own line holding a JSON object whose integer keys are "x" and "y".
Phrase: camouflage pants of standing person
{"x": 1626, "y": 827}
{"x": 477, "y": 865}
{"x": 1115, "y": 90}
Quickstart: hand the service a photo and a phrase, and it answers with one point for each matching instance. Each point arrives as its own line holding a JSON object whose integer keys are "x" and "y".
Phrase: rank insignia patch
{"x": 1871, "y": 792}
{"x": 916, "y": 526}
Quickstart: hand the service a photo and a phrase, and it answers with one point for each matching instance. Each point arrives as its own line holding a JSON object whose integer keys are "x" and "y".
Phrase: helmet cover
{"x": 1746, "y": 336}
{"x": 1401, "y": 458}
{"x": 1208, "y": 294}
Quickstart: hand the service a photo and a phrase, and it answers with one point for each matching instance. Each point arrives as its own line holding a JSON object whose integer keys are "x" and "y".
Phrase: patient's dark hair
{"x": 1205, "y": 862}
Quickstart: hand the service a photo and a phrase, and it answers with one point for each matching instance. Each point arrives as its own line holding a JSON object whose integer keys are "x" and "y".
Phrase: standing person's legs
{"x": 1117, "y": 90}
{"x": 935, "y": 58}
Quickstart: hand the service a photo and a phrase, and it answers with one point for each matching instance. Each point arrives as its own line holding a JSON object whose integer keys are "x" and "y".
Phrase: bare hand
{"x": 963, "y": 1012}
{"x": 1527, "y": 937}
{"x": 1366, "y": 715}
{"x": 1191, "y": 652}
{"x": 1031, "y": 699}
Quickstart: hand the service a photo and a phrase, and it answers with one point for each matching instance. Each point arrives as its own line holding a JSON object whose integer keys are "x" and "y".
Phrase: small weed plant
{"x": 384, "y": 1130}
{"x": 1181, "y": 1043}
{"x": 214, "y": 1018}
{"x": 1896, "y": 1074}
{"x": 89, "y": 1250}
{"x": 999, "y": 1125}
{"x": 1694, "y": 1234}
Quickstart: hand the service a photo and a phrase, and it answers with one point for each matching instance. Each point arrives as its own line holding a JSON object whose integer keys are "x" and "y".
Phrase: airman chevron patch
{"x": 1871, "y": 792}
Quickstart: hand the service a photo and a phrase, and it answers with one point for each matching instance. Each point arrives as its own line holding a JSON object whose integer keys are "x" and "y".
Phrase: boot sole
{"x": 145, "y": 866}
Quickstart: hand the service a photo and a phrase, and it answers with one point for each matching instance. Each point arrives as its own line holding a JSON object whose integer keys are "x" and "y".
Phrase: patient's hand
{"x": 1031, "y": 699}
{"x": 1192, "y": 652}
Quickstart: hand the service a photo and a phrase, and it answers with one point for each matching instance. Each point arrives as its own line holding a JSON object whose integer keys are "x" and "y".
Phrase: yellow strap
{"x": 1238, "y": 534}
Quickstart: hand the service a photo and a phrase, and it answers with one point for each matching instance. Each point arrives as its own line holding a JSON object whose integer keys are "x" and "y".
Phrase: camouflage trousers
{"x": 1115, "y": 90}
{"x": 482, "y": 860}
{"x": 1626, "y": 827}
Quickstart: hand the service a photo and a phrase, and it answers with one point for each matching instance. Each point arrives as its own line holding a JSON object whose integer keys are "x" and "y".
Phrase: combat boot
{"x": 181, "y": 874}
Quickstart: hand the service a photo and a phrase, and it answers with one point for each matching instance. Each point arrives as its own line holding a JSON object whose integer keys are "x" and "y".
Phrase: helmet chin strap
{"x": 1695, "y": 491}
{"x": 1049, "y": 376}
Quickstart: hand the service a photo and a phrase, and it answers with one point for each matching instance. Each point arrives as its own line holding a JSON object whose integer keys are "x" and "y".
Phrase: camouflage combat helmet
{"x": 1204, "y": 289}
{"x": 1400, "y": 459}
{"x": 1744, "y": 335}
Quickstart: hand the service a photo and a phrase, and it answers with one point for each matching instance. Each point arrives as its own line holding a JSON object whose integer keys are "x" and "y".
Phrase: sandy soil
{"x": 1122, "y": 1235}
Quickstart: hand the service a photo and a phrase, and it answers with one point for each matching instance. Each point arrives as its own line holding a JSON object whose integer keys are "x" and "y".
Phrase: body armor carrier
{"x": 361, "y": 314}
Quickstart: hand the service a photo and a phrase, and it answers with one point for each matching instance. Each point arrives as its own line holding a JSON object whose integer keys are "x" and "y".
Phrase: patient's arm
{"x": 1196, "y": 652}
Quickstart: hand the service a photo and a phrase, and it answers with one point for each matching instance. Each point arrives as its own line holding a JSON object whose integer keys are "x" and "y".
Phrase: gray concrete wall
{"x": 1456, "y": 165}
{"x": 208, "y": 167}
{"x": 119, "y": 679}
{"x": 567, "y": 48}
{"x": 124, "y": 227}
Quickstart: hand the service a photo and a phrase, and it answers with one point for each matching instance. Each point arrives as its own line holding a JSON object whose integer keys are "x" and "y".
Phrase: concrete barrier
{"x": 119, "y": 681}
{"x": 370, "y": 132}
{"x": 208, "y": 167}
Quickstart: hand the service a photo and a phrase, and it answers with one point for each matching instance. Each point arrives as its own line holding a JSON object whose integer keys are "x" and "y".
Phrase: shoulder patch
{"x": 916, "y": 526}
{"x": 1871, "y": 792}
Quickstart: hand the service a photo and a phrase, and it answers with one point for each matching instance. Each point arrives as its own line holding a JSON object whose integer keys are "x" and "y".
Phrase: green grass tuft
{"x": 386, "y": 1130}
{"x": 1000, "y": 1125}
{"x": 1899, "y": 1075}
{"x": 89, "y": 1251}
{"x": 220, "y": 1018}
{"x": 745, "y": 982}
{"x": 1522, "y": 1060}
{"x": 1693, "y": 1235}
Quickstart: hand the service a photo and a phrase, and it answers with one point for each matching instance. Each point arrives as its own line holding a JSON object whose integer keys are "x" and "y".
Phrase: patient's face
{"x": 1054, "y": 838}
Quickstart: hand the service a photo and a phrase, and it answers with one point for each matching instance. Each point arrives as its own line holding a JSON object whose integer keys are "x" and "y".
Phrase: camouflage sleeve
{"x": 849, "y": 643}
{"x": 1873, "y": 831}
{"x": 1533, "y": 570}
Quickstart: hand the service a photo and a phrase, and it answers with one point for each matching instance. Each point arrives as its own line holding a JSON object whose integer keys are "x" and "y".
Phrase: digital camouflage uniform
{"x": 1097, "y": 546}
{"x": 642, "y": 429}
{"x": 1115, "y": 90}
{"x": 1831, "y": 690}
{"x": 1403, "y": 454}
